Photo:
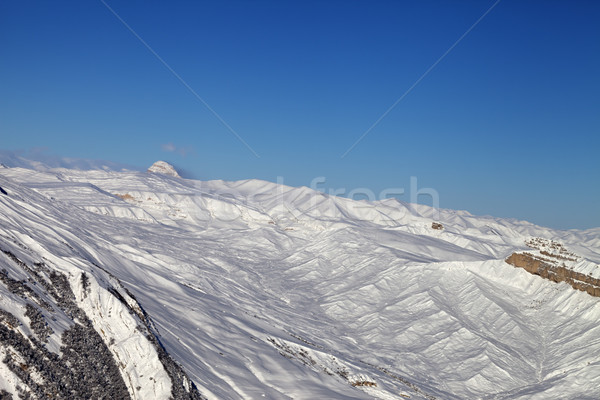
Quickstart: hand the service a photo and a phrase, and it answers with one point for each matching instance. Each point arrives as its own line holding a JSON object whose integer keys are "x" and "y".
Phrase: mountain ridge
{"x": 364, "y": 300}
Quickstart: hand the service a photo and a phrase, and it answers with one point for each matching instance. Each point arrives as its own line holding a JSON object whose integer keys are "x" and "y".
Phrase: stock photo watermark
{"x": 317, "y": 203}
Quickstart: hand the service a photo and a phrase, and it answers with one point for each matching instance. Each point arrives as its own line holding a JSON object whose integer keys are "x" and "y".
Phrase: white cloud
{"x": 181, "y": 150}
{"x": 170, "y": 147}
{"x": 40, "y": 158}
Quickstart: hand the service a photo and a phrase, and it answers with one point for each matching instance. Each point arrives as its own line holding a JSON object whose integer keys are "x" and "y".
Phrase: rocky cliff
{"x": 550, "y": 260}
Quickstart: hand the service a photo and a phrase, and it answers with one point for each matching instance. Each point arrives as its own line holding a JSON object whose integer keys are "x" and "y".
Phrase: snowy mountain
{"x": 163, "y": 167}
{"x": 148, "y": 286}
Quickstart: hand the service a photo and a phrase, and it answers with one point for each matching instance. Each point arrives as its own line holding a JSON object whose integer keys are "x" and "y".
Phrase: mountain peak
{"x": 162, "y": 167}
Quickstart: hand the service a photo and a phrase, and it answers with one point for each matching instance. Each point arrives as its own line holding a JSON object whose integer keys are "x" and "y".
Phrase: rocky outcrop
{"x": 556, "y": 273}
{"x": 85, "y": 367}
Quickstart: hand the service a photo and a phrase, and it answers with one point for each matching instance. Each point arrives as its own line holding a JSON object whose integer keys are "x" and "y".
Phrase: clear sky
{"x": 507, "y": 123}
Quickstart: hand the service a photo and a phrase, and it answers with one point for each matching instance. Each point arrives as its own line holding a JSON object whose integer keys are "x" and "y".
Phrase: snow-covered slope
{"x": 258, "y": 290}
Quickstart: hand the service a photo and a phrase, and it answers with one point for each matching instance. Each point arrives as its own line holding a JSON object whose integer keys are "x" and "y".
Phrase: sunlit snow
{"x": 261, "y": 290}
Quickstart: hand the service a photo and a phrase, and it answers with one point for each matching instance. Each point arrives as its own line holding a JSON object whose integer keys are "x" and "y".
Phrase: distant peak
{"x": 161, "y": 167}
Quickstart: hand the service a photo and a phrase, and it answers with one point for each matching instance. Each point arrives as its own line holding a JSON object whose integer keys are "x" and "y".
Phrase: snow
{"x": 129, "y": 346}
{"x": 8, "y": 380}
{"x": 261, "y": 290}
{"x": 162, "y": 167}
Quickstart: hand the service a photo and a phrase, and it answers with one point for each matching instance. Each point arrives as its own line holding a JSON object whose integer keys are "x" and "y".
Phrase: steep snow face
{"x": 68, "y": 327}
{"x": 162, "y": 167}
{"x": 262, "y": 290}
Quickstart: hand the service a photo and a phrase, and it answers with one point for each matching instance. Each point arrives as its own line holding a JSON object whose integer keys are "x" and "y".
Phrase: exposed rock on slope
{"x": 549, "y": 260}
{"x": 90, "y": 363}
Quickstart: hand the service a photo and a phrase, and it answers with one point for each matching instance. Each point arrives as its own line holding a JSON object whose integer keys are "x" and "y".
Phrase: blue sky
{"x": 506, "y": 124}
